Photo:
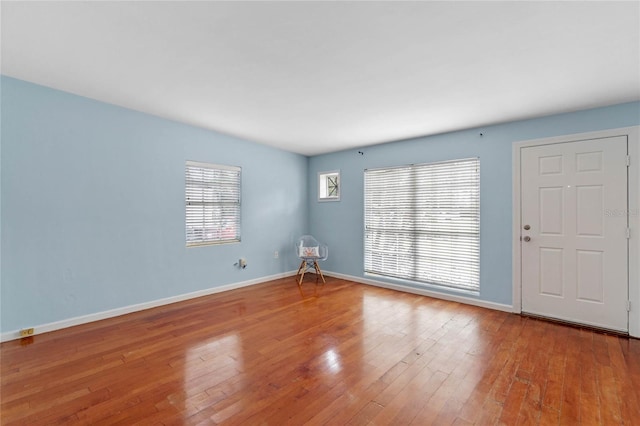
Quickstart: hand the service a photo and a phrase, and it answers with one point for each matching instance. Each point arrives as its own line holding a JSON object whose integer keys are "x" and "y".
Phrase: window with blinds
{"x": 422, "y": 223}
{"x": 212, "y": 199}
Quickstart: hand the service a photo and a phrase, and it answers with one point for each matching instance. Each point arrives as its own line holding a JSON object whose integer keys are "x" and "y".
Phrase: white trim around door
{"x": 633, "y": 211}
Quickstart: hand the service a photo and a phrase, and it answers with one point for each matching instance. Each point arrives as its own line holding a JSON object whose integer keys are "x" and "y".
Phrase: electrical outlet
{"x": 275, "y": 254}
{"x": 25, "y": 332}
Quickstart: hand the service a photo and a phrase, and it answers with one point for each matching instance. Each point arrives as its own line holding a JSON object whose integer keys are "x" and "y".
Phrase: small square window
{"x": 329, "y": 186}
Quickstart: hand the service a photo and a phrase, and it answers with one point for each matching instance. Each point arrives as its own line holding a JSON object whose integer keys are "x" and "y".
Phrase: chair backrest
{"x": 307, "y": 247}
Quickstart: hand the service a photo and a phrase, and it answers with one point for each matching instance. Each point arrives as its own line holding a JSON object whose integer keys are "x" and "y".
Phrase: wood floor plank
{"x": 623, "y": 368}
{"x": 513, "y": 403}
{"x": 338, "y": 353}
{"x": 571, "y": 390}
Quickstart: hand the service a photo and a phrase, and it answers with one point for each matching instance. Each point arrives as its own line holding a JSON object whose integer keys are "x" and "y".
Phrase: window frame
{"x": 323, "y": 185}
{"x": 420, "y": 226}
{"x": 224, "y": 198}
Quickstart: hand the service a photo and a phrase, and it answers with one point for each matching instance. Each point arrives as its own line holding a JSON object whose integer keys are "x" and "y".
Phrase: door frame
{"x": 633, "y": 194}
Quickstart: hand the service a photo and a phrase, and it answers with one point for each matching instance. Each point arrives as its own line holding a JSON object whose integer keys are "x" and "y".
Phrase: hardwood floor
{"x": 342, "y": 353}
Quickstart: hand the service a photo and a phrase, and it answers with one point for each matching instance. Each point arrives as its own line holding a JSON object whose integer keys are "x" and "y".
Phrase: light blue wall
{"x": 340, "y": 224}
{"x": 92, "y": 209}
{"x": 92, "y": 195}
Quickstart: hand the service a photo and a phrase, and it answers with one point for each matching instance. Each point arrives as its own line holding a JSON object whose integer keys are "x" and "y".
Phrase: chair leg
{"x": 303, "y": 268}
{"x": 318, "y": 271}
{"x": 300, "y": 268}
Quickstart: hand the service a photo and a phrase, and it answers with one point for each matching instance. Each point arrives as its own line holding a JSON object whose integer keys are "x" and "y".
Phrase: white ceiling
{"x": 316, "y": 77}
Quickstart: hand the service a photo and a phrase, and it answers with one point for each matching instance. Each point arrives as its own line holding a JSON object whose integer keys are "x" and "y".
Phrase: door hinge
{"x": 628, "y": 160}
{"x": 628, "y": 305}
{"x": 628, "y": 233}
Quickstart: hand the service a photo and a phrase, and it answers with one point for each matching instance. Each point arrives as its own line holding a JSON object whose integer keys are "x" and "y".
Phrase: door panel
{"x": 551, "y": 211}
{"x": 575, "y": 262}
{"x": 590, "y": 204}
{"x": 590, "y": 278}
{"x": 551, "y": 276}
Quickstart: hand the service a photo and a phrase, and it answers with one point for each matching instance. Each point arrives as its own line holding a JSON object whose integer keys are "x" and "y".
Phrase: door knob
{"x": 527, "y": 227}
{"x": 527, "y": 238}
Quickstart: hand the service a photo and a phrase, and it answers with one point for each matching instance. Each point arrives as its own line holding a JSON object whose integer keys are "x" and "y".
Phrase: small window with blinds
{"x": 422, "y": 223}
{"x": 212, "y": 199}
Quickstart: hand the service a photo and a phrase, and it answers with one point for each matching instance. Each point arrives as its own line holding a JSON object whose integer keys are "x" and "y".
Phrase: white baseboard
{"x": 423, "y": 292}
{"x": 70, "y": 322}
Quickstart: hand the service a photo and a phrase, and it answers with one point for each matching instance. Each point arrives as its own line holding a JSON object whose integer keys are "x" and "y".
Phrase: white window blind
{"x": 422, "y": 223}
{"x": 212, "y": 198}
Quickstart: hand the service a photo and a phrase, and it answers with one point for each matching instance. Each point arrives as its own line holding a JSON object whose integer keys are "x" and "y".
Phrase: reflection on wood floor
{"x": 339, "y": 353}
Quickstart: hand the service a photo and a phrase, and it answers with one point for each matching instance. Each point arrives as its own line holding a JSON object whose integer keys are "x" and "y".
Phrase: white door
{"x": 574, "y": 232}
